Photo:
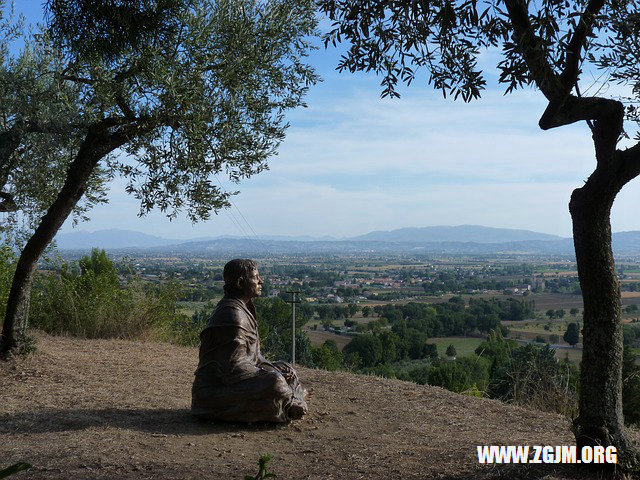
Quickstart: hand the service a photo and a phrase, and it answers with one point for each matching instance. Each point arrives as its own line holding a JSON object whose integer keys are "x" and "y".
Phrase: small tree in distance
{"x": 451, "y": 351}
{"x": 547, "y": 45}
{"x": 572, "y": 334}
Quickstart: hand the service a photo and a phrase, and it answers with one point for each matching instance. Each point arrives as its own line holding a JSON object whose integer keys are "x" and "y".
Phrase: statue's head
{"x": 241, "y": 278}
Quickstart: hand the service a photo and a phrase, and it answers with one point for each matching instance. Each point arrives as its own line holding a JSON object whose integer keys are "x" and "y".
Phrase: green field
{"x": 463, "y": 345}
{"x": 189, "y": 308}
{"x": 574, "y": 354}
{"x": 528, "y": 327}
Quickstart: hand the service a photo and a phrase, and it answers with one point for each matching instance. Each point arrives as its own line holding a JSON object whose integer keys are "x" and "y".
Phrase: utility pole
{"x": 293, "y": 302}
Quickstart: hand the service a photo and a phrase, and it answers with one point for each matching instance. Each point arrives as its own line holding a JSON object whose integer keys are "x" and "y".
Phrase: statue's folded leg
{"x": 298, "y": 404}
{"x": 264, "y": 397}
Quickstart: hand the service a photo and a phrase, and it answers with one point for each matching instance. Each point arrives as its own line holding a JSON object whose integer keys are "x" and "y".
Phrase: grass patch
{"x": 463, "y": 345}
{"x": 573, "y": 354}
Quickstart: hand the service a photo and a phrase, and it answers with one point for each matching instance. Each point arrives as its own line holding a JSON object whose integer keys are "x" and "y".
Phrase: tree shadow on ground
{"x": 160, "y": 420}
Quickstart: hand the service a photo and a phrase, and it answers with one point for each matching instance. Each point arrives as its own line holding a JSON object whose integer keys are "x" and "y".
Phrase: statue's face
{"x": 253, "y": 284}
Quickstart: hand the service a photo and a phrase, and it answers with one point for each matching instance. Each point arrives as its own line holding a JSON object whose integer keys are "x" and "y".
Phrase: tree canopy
{"x": 38, "y": 127}
{"x": 204, "y": 88}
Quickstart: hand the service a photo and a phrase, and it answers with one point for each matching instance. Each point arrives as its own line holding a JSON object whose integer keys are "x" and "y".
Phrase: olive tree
{"x": 38, "y": 122}
{"x": 547, "y": 45}
{"x": 167, "y": 94}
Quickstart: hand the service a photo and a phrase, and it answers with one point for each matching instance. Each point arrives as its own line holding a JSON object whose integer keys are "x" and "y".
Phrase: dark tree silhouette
{"x": 572, "y": 334}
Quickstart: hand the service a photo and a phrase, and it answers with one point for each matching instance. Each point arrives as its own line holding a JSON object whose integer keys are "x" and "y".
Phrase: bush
{"x": 451, "y": 351}
{"x": 533, "y": 377}
{"x": 630, "y": 388}
{"x": 328, "y": 356}
{"x": 469, "y": 373}
{"x": 92, "y": 304}
{"x": 368, "y": 347}
{"x": 7, "y": 268}
{"x": 450, "y": 375}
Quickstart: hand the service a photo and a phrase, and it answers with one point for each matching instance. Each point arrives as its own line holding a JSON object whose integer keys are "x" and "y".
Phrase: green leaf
{"x": 13, "y": 469}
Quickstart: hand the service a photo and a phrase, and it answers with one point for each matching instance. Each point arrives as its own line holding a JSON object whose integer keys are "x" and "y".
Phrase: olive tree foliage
{"x": 38, "y": 117}
{"x": 549, "y": 45}
{"x": 206, "y": 82}
{"x": 168, "y": 94}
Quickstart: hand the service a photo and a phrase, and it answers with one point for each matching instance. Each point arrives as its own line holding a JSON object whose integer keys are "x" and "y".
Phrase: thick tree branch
{"x": 576, "y": 109}
{"x": 51, "y": 127}
{"x": 128, "y": 73}
{"x": 578, "y": 41}
{"x": 7, "y": 204}
{"x": 9, "y": 142}
{"x": 569, "y": 75}
{"x": 531, "y": 48}
{"x": 125, "y": 108}
{"x": 630, "y": 162}
{"x": 563, "y": 108}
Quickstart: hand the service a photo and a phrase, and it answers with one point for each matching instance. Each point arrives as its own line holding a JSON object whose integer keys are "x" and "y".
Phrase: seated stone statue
{"x": 234, "y": 382}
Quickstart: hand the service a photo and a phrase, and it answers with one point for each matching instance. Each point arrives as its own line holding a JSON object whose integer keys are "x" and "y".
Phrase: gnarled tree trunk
{"x": 97, "y": 143}
{"x": 600, "y": 420}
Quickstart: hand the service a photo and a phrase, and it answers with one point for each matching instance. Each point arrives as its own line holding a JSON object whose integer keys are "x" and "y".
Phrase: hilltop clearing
{"x": 103, "y": 409}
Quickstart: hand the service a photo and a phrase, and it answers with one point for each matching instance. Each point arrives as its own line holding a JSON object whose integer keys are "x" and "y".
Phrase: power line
{"x": 238, "y": 223}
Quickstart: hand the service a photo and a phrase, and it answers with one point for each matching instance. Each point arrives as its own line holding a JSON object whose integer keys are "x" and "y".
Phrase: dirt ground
{"x": 111, "y": 409}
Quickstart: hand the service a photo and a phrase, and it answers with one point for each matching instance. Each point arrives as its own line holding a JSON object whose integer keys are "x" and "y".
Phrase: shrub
{"x": 92, "y": 304}
{"x": 451, "y": 375}
{"x": 451, "y": 351}
{"x": 7, "y": 268}
{"x": 533, "y": 377}
{"x": 630, "y": 388}
{"x": 328, "y": 356}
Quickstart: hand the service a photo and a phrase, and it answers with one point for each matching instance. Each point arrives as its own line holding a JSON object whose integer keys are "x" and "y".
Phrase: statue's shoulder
{"x": 229, "y": 312}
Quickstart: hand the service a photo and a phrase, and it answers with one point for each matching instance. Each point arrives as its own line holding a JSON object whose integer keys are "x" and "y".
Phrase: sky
{"x": 352, "y": 163}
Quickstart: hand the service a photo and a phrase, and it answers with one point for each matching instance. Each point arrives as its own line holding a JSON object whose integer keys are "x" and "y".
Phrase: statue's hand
{"x": 286, "y": 370}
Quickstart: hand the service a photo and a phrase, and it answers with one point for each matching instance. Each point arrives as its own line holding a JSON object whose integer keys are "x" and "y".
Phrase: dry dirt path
{"x": 111, "y": 409}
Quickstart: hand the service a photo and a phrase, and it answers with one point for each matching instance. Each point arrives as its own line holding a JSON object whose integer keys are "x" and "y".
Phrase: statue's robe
{"x": 233, "y": 381}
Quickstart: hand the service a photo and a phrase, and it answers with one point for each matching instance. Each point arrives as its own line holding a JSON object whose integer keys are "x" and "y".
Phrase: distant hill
{"x": 115, "y": 239}
{"x": 460, "y": 233}
{"x": 465, "y": 240}
{"x": 110, "y": 239}
{"x": 626, "y": 241}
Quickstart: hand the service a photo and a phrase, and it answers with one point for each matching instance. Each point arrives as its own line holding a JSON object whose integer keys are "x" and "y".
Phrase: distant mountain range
{"x": 463, "y": 239}
{"x": 110, "y": 239}
{"x": 117, "y": 239}
{"x": 461, "y": 233}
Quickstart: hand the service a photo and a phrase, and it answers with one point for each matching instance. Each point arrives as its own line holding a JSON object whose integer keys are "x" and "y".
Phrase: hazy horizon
{"x": 81, "y": 230}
